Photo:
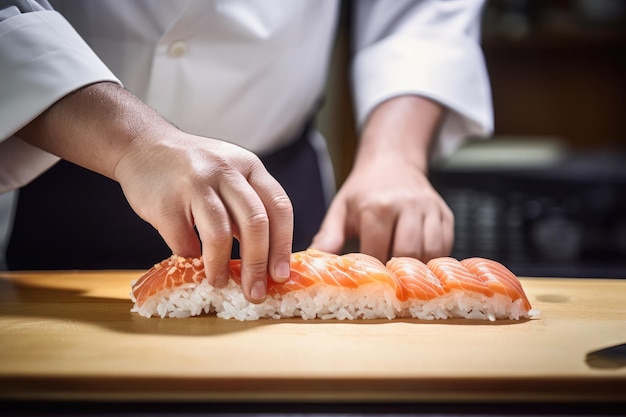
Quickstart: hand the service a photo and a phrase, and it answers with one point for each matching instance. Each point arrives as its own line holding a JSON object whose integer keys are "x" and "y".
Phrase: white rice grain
{"x": 372, "y": 301}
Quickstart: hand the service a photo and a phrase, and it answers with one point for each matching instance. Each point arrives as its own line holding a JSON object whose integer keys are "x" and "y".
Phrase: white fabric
{"x": 41, "y": 60}
{"x": 428, "y": 48}
{"x": 250, "y": 71}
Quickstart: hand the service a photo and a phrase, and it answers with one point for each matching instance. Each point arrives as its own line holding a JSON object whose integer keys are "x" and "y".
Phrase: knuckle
{"x": 250, "y": 162}
{"x": 281, "y": 204}
{"x": 257, "y": 222}
{"x": 220, "y": 235}
{"x": 379, "y": 206}
{"x": 252, "y": 272}
{"x": 257, "y": 269}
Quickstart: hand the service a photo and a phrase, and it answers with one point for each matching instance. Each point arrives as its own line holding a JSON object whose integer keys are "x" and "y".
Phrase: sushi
{"x": 321, "y": 285}
{"x": 343, "y": 287}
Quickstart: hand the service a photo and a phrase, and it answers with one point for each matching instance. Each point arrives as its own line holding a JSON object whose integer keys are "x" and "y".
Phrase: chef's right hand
{"x": 182, "y": 181}
{"x": 177, "y": 182}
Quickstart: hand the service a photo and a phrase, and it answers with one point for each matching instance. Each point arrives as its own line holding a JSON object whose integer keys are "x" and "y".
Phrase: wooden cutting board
{"x": 71, "y": 335}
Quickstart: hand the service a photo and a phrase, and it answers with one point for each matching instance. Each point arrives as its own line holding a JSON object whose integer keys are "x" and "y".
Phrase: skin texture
{"x": 176, "y": 181}
{"x": 387, "y": 201}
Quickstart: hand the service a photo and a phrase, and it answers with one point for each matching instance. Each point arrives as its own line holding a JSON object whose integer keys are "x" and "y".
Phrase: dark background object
{"x": 612, "y": 357}
{"x": 564, "y": 219}
{"x": 72, "y": 218}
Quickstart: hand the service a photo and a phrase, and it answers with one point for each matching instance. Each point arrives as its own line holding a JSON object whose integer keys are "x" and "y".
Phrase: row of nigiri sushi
{"x": 351, "y": 286}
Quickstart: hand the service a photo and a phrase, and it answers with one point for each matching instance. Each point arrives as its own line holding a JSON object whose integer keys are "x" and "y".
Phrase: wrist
{"x": 401, "y": 128}
{"x": 93, "y": 126}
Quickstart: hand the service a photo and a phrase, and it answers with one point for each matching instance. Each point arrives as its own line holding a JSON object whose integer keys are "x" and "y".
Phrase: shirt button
{"x": 177, "y": 49}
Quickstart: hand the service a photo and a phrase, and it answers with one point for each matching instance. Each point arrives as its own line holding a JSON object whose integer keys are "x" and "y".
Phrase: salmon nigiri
{"x": 173, "y": 272}
{"x": 422, "y": 290}
{"x": 498, "y": 278}
{"x": 418, "y": 282}
{"x": 476, "y": 293}
{"x": 350, "y": 286}
{"x": 455, "y": 276}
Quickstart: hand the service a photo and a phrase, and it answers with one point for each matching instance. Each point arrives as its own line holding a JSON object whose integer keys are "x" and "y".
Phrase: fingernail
{"x": 282, "y": 271}
{"x": 258, "y": 291}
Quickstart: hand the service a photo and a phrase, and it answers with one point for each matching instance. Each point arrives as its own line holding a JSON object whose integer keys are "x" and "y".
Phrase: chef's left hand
{"x": 393, "y": 210}
{"x": 387, "y": 201}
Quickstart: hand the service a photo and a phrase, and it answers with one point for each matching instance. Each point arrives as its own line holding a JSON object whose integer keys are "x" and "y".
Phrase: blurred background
{"x": 546, "y": 195}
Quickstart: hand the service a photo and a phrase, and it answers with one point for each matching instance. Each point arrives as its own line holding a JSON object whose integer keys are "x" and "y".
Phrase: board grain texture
{"x": 70, "y": 335}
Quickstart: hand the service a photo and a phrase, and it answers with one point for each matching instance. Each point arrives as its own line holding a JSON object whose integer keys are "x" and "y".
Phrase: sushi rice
{"x": 372, "y": 301}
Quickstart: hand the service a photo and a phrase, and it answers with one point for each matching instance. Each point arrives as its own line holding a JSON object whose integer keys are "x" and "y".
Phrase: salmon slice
{"x": 418, "y": 282}
{"x": 170, "y": 273}
{"x": 498, "y": 278}
{"x": 455, "y": 276}
{"x": 312, "y": 267}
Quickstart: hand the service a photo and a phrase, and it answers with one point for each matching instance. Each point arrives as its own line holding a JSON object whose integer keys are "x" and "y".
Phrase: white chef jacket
{"x": 247, "y": 71}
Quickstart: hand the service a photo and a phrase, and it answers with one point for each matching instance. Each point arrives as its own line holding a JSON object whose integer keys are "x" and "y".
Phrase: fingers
{"x": 409, "y": 236}
{"x": 448, "y": 230}
{"x": 389, "y": 226}
{"x": 331, "y": 236}
{"x": 377, "y": 228}
{"x": 418, "y": 228}
{"x": 280, "y": 214}
{"x": 215, "y": 231}
{"x": 247, "y": 211}
{"x": 425, "y": 234}
{"x": 263, "y": 216}
{"x": 178, "y": 233}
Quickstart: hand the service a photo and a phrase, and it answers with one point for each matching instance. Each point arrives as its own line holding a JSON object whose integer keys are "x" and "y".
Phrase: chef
{"x": 202, "y": 112}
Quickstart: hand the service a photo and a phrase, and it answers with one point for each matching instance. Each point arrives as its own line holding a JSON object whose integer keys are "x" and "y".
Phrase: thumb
{"x": 332, "y": 233}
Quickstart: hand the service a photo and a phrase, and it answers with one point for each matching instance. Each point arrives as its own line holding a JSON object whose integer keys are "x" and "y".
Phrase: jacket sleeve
{"x": 429, "y": 48}
{"x": 42, "y": 59}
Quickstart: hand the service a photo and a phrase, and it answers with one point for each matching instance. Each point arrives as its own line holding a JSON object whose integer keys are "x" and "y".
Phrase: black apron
{"x": 72, "y": 218}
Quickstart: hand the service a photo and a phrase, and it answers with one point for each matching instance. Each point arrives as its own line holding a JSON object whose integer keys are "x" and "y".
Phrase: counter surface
{"x": 70, "y": 335}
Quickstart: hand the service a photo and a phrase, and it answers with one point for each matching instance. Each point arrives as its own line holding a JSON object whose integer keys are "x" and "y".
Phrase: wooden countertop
{"x": 71, "y": 335}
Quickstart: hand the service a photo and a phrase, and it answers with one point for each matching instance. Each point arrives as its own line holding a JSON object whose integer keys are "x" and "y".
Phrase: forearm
{"x": 401, "y": 127}
{"x": 186, "y": 186}
{"x": 93, "y": 126}
{"x": 387, "y": 201}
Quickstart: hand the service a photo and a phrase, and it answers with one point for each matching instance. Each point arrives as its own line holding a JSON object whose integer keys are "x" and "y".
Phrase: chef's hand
{"x": 392, "y": 209}
{"x": 182, "y": 181}
{"x": 177, "y": 182}
{"x": 387, "y": 201}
